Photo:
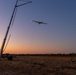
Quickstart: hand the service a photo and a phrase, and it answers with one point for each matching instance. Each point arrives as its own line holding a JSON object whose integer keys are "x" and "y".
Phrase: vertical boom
{"x": 8, "y": 28}
{"x": 4, "y": 41}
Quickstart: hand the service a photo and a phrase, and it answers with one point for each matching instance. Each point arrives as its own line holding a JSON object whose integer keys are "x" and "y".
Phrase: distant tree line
{"x": 70, "y": 54}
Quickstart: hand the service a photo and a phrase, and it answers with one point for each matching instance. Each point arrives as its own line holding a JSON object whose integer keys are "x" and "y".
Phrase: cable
{"x": 11, "y": 28}
{"x": 7, "y": 42}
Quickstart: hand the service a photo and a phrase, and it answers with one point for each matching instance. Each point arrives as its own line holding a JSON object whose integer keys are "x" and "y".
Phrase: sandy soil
{"x": 38, "y": 65}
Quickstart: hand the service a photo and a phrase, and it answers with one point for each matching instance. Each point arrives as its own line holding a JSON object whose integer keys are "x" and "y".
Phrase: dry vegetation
{"x": 39, "y": 65}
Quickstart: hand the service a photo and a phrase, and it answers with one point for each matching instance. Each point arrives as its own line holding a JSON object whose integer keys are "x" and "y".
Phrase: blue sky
{"x": 58, "y": 36}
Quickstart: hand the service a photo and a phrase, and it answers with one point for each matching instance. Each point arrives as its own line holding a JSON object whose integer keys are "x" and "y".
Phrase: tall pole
{"x": 3, "y": 44}
{"x": 4, "y": 40}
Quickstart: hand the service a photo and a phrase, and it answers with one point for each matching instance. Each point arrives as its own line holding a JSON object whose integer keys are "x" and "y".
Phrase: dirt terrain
{"x": 38, "y": 65}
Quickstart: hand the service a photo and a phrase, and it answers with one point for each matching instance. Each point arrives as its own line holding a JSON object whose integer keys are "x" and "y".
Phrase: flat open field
{"x": 39, "y": 65}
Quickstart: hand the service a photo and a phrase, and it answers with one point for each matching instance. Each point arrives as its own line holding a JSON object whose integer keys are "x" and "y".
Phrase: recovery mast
{"x": 10, "y": 23}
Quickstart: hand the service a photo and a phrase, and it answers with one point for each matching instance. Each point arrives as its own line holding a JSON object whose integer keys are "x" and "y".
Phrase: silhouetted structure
{"x": 10, "y": 23}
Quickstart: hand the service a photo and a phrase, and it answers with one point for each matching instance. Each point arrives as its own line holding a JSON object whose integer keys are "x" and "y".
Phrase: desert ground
{"x": 39, "y": 65}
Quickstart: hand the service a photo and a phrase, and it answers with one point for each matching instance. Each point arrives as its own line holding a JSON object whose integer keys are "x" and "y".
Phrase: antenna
{"x": 10, "y": 23}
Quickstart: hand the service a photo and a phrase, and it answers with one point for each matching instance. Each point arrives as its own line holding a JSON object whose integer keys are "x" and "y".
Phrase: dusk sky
{"x": 58, "y": 36}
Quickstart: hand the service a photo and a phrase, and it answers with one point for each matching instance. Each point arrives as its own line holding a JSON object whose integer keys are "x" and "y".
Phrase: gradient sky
{"x": 58, "y": 36}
